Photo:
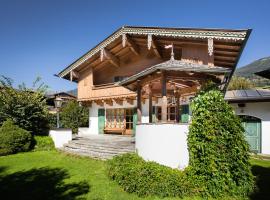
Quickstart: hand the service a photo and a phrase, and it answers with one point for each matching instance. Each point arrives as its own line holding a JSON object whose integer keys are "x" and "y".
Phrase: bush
{"x": 52, "y": 120}
{"x": 26, "y": 107}
{"x": 148, "y": 178}
{"x": 218, "y": 151}
{"x": 13, "y": 139}
{"x": 240, "y": 83}
{"x": 74, "y": 116}
{"x": 43, "y": 143}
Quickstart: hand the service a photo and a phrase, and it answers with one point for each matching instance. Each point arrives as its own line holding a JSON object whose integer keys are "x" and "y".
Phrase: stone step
{"x": 104, "y": 145}
{"x": 100, "y": 146}
{"x": 98, "y": 149}
{"x": 90, "y": 154}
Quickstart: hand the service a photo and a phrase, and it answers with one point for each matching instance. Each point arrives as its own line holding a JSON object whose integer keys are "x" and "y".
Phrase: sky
{"x": 40, "y": 38}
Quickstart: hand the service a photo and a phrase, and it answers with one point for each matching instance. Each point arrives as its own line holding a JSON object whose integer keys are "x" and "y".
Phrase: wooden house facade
{"x": 131, "y": 77}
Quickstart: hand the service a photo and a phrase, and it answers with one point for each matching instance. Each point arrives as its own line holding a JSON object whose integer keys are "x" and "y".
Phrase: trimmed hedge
{"x": 13, "y": 139}
{"x": 43, "y": 143}
{"x": 148, "y": 178}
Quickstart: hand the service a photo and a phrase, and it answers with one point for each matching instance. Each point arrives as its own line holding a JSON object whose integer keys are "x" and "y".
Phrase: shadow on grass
{"x": 41, "y": 183}
{"x": 262, "y": 182}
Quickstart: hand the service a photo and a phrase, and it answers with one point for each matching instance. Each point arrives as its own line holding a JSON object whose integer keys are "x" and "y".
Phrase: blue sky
{"x": 40, "y": 38}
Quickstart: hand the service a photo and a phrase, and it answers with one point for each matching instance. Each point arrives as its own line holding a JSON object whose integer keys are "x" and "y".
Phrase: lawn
{"x": 53, "y": 175}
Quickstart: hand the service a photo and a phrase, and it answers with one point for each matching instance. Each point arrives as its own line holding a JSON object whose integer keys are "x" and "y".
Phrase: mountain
{"x": 256, "y": 66}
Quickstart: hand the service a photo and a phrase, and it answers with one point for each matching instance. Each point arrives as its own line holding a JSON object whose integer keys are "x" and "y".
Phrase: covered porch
{"x": 169, "y": 87}
{"x": 172, "y": 84}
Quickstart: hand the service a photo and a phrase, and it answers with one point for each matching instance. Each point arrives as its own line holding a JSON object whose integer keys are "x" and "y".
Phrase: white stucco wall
{"x": 260, "y": 110}
{"x": 60, "y": 136}
{"x": 165, "y": 144}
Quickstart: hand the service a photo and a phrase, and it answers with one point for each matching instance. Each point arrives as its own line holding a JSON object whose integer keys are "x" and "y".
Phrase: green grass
{"x": 54, "y": 175}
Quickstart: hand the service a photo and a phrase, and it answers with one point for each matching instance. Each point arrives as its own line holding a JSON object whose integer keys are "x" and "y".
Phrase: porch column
{"x": 177, "y": 96}
{"x": 139, "y": 102}
{"x": 164, "y": 98}
{"x": 150, "y": 104}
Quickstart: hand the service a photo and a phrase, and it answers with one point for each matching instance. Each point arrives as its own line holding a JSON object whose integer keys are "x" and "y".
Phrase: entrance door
{"x": 252, "y": 126}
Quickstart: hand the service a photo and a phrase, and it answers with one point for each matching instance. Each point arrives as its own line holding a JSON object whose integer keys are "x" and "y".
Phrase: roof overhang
{"x": 239, "y": 36}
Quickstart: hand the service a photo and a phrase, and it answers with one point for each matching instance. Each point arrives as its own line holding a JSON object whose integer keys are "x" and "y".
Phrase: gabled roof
{"x": 176, "y": 65}
{"x": 237, "y": 96}
{"x": 184, "y": 33}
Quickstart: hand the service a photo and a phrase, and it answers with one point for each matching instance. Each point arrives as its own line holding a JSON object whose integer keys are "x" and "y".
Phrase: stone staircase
{"x": 100, "y": 146}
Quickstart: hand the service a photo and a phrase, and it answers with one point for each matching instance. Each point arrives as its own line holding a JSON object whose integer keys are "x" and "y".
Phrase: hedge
{"x": 148, "y": 178}
{"x": 43, "y": 143}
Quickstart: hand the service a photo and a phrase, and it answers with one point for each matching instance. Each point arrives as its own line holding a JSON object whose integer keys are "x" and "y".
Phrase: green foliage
{"x": 240, "y": 83}
{"x": 26, "y": 107}
{"x": 43, "y": 143}
{"x": 148, "y": 178}
{"x": 218, "y": 151}
{"x": 73, "y": 116}
{"x": 52, "y": 120}
{"x": 13, "y": 139}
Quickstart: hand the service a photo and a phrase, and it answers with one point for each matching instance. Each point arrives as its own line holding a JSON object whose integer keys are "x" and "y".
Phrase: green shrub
{"x": 13, "y": 139}
{"x": 43, "y": 143}
{"x": 25, "y": 106}
{"x": 74, "y": 116}
{"x": 52, "y": 120}
{"x": 218, "y": 151}
{"x": 148, "y": 178}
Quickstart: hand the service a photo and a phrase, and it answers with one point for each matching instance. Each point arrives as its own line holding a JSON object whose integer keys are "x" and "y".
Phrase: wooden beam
{"x": 188, "y": 90}
{"x": 132, "y": 45}
{"x": 177, "y": 96}
{"x": 225, "y": 58}
{"x": 223, "y": 46}
{"x": 105, "y": 54}
{"x": 73, "y": 75}
{"x": 164, "y": 97}
{"x": 150, "y": 95}
{"x": 139, "y": 103}
{"x": 151, "y": 44}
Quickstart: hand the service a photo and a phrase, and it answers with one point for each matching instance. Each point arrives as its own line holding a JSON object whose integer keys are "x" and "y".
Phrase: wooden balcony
{"x": 105, "y": 91}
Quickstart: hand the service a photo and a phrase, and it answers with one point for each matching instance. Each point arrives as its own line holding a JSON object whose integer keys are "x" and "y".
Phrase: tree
{"x": 218, "y": 151}
{"x": 74, "y": 116}
{"x": 240, "y": 83}
{"x": 26, "y": 107}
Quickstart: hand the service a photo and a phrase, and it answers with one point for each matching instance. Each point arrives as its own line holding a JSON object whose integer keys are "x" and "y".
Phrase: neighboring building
{"x": 253, "y": 106}
{"x": 50, "y": 97}
{"x": 130, "y": 81}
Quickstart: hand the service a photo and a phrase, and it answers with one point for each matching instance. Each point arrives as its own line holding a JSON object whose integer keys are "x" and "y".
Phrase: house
{"x": 50, "y": 97}
{"x": 139, "y": 81}
{"x": 253, "y": 107}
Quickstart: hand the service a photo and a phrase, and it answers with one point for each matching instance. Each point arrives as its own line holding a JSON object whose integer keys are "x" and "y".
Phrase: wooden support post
{"x": 150, "y": 104}
{"x": 177, "y": 96}
{"x": 164, "y": 98}
{"x": 139, "y": 102}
